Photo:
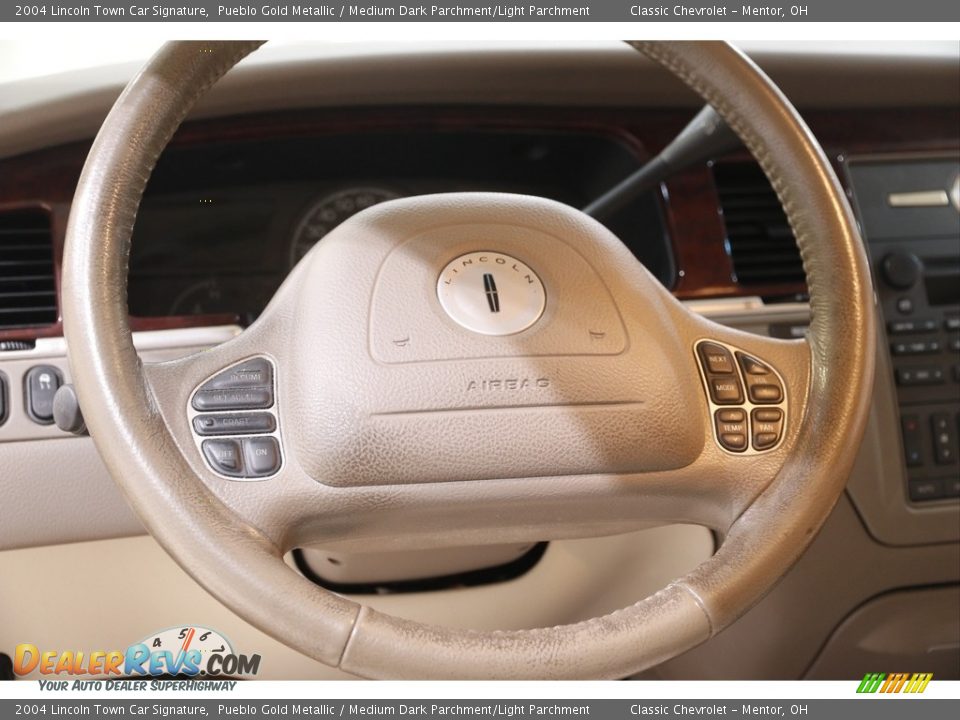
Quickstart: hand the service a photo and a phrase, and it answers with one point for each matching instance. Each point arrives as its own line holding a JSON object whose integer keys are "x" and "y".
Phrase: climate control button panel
{"x": 235, "y": 423}
{"x": 746, "y": 396}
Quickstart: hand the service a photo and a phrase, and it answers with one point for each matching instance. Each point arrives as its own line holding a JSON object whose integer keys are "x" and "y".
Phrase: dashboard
{"x": 223, "y": 223}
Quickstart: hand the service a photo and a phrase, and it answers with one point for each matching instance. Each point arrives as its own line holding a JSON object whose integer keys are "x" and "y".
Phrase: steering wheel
{"x": 472, "y": 368}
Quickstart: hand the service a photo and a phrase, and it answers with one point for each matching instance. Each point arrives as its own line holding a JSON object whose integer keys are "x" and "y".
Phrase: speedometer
{"x": 329, "y": 212}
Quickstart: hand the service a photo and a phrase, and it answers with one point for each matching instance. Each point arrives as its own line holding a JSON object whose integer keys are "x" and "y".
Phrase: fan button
{"x": 767, "y": 427}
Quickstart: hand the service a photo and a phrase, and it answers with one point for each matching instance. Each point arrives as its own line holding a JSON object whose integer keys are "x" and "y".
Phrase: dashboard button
{"x": 768, "y": 415}
{"x": 726, "y": 390}
{"x": 952, "y": 323}
{"x": 245, "y": 424}
{"x": 944, "y": 439}
{"x": 919, "y": 375}
{"x": 915, "y": 347}
{"x": 41, "y": 384}
{"x": 752, "y": 366}
{"x": 716, "y": 358}
{"x": 731, "y": 422}
{"x": 736, "y": 442}
{"x": 256, "y": 372}
{"x": 767, "y": 426}
{"x": 904, "y": 305}
{"x": 237, "y": 399}
{"x": 903, "y": 327}
{"x": 763, "y": 387}
{"x": 912, "y": 440}
{"x": 921, "y": 490}
{"x": 901, "y": 270}
{"x": 262, "y": 456}
{"x": 224, "y": 456}
{"x": 766, "y": 393}
{"x": 731, "y": 415}
{"x": 764, "y": 441}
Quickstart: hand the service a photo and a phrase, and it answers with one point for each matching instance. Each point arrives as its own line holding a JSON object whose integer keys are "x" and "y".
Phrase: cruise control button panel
{"x": 747, "y": 397}
{"x": 235, "y": 423}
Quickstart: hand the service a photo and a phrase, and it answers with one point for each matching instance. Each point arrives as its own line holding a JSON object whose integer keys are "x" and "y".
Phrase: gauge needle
{"x": 186, "y": 641}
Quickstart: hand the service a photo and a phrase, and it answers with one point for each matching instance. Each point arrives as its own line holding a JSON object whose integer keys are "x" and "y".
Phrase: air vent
{"x": 28, "y": 296}
{"x": 761, "y": 243}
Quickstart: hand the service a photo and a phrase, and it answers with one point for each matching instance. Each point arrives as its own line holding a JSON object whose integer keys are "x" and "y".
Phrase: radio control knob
{"x": 901, "y": 270}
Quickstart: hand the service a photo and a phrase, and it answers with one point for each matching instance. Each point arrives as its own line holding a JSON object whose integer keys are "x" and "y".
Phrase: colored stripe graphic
{"x": 894, "y": 683}
{"x": 871, "y": 682}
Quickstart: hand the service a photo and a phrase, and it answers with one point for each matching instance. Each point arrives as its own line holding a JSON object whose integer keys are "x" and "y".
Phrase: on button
{"x": 262, "y": 456}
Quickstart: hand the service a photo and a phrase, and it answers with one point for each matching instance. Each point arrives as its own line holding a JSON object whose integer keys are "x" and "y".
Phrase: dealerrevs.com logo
{"x": 189, "y": 651}
{"x": 890, "y": 683}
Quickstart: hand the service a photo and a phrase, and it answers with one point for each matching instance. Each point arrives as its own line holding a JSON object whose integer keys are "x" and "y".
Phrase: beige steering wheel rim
{"x": 243, "y": 566}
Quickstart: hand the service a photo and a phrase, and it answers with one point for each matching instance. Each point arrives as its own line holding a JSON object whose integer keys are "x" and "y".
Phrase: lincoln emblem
{"x": 490, "y": 288}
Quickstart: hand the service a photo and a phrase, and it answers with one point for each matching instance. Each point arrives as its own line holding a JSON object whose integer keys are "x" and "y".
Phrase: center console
{"x": 909, "y": 211}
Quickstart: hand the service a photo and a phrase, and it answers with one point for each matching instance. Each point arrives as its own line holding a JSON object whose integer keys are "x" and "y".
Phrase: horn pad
{"x": 469, "y": 337}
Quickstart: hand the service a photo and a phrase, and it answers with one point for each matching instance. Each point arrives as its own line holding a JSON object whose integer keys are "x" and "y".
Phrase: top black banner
{"x": 852, "y": 11}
